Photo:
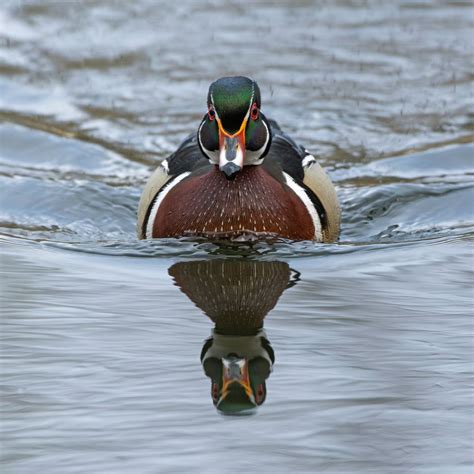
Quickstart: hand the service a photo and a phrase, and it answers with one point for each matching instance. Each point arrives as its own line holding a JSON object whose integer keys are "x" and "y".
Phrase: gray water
{"x": 372, "y": 336}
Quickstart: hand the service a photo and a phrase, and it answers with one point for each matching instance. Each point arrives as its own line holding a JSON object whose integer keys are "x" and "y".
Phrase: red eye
{"x": 260, "y": 394}
{"x": 215, "y": 392}
{"x": 211, "y": 113}
{"x": 254, "y": 111}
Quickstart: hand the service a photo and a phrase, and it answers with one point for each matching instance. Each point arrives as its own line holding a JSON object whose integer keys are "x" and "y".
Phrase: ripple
{"x": 373, "y": 338}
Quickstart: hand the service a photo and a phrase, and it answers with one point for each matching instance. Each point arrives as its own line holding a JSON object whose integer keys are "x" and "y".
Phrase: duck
{"x": 236, "y": 295}
{"x": 239, "y": 175}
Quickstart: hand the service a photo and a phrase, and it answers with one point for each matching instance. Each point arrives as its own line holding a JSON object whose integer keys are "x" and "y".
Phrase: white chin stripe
{"x": 301, "y": 193}
{"x": 238, "y": 160}
{"x": 161, "y": 195}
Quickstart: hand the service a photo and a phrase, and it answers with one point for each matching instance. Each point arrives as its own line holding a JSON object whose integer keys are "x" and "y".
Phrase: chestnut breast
{"x": 255, "y": 201}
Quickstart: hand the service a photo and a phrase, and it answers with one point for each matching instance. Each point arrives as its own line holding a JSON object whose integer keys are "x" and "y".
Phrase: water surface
{"x": 102, "y": 334}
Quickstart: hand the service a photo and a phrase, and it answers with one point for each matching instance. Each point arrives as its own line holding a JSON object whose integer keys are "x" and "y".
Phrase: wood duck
{"x": 236, "y": 295}
{"x": 239, "y": 175}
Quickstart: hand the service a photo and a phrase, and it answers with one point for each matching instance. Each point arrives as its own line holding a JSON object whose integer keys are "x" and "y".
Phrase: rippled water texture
{"x": 102, "y": 334}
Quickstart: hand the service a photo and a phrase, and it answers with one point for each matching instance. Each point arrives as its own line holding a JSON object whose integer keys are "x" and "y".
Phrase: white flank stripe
{"x": 301, "y": 193}
{"x": 159, "y": 200}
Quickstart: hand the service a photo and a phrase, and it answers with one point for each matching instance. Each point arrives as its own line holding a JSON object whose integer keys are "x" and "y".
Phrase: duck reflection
{"x": 236, "y": 295}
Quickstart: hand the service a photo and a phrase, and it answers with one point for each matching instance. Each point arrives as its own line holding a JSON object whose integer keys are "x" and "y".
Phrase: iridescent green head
{"x": 238, "y": 367}
{"x": 234, "y": 133}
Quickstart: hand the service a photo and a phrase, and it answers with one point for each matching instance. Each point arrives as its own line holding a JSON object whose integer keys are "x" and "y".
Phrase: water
{"x": 102, "y": 335}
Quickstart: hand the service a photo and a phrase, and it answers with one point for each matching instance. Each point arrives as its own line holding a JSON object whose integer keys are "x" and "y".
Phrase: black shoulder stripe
{"x": 150, "y": 207}
{"x": 206, "y": 347}
{"x": 317, "y": 204}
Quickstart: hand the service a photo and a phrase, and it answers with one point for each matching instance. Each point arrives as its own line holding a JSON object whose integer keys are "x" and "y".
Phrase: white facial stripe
{"x": 253, "y": 157}
{"x": 247, "y": 115}
{"x": 199, "y": 135}
{"x": 214, "y": 108}
{"x": 301, "y": 193}
{"x": 253, "y": 93}
{"x": 212, "y": 155}
{"x": 154, "y": 210}
{"x": 215, "y": 112}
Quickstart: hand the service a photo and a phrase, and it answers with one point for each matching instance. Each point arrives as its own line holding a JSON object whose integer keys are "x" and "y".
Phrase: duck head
{"x": 234, "y": 133}
{"x": 238, "y": 367}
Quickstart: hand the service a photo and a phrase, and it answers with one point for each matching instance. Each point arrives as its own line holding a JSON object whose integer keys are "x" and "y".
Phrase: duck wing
{"x": 286, "y": 157}
{"x": 188, "y": 158}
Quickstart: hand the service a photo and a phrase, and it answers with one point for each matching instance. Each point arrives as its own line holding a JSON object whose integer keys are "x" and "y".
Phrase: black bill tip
{"x": 230, "y": 170}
